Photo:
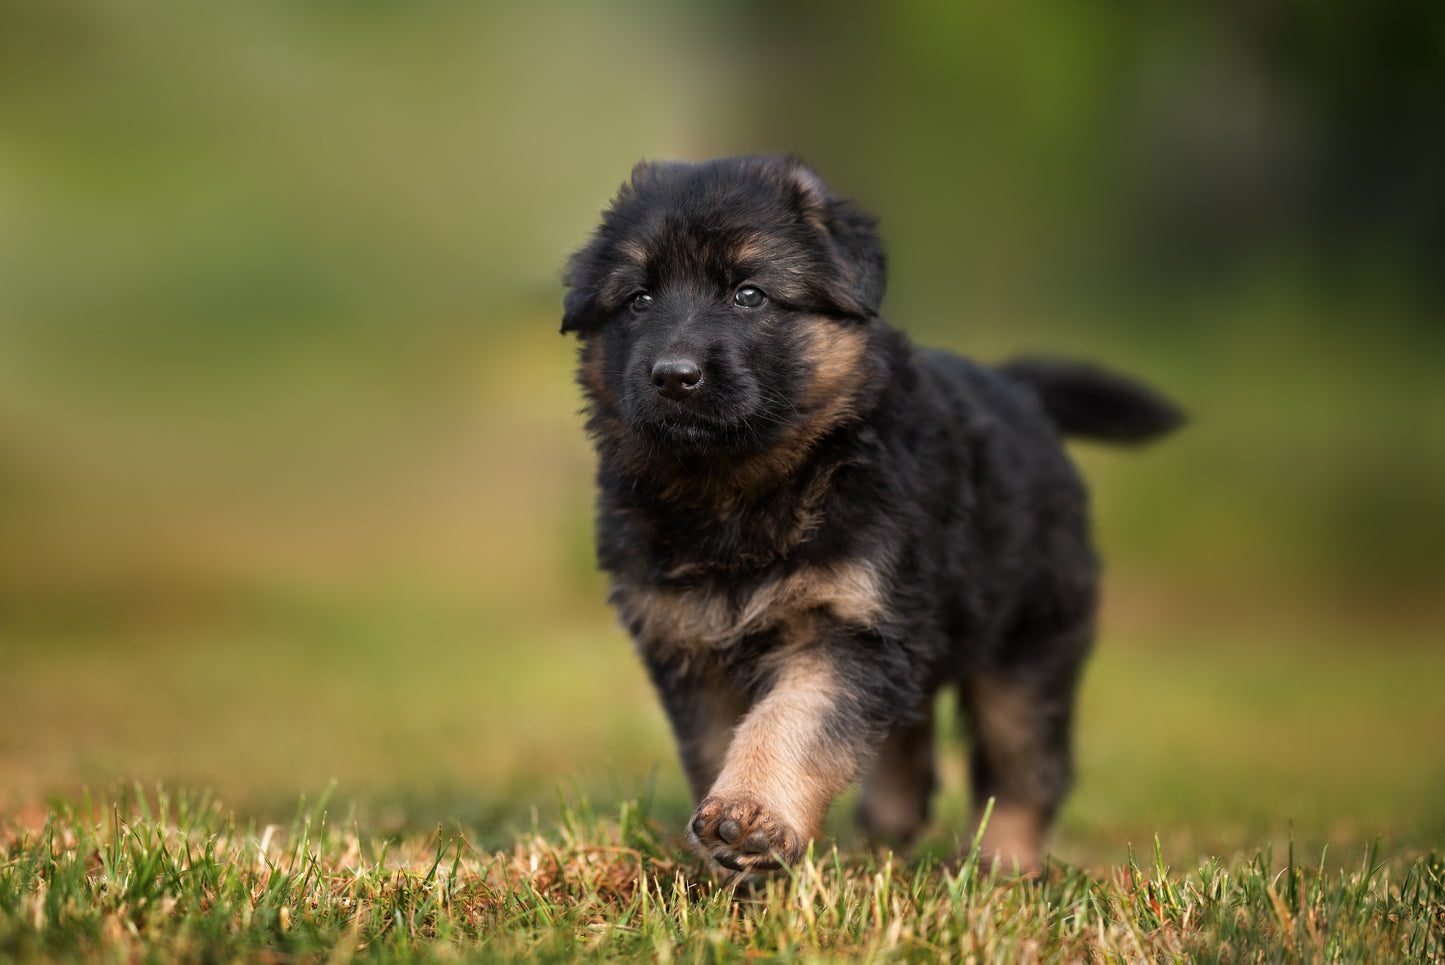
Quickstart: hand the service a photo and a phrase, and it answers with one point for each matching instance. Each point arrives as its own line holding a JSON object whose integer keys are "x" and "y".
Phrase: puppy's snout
{"x": 676, "y": 375}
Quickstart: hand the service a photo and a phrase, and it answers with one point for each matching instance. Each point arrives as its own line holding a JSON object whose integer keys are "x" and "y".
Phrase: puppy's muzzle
{"x": 676, "y": 375}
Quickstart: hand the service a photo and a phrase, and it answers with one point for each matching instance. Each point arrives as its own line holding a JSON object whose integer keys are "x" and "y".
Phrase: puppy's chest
{"x": 714, "y": 614}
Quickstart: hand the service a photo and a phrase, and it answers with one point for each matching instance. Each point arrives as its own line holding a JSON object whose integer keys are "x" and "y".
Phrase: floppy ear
{"x": 587, "y": 269}
{"x": 646, "y": 173}
{"x": 857, "y": 251}
{"x": 579, "y": 306}
{"x": 860, "y": 251}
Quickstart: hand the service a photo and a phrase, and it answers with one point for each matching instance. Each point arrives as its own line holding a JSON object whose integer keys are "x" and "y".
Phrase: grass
{"x": 148, "y": 878}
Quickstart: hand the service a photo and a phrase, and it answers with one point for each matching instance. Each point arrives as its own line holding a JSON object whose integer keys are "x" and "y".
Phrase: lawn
{"x": 148, "y": 878}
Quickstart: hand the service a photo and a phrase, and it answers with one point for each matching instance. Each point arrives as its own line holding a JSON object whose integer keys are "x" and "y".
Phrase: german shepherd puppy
{"x": 812, "y": 526}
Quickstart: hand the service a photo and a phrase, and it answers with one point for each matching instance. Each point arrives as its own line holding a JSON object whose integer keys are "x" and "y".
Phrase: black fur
{"x": 812, "y": 525}
{"x": 1089, "y": 402}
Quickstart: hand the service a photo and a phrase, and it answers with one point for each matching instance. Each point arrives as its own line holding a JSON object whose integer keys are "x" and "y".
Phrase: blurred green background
{"x": 292, "y": 482}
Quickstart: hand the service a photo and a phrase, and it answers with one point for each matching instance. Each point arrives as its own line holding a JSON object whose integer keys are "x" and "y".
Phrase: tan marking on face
{"x": 756, "y": 248}
{"x": 772, "y": 262}
{"x": 632, "y": 250}
{"x": 836, "y": 352}
{"x": 838, "y": 355}
{"x": 766, "y": 249}
{"x": 702, "y": 617}
{"x": 782, "y": 757}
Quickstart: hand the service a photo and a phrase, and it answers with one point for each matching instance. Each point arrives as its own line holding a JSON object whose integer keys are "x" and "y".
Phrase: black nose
{"x": 676, "y": 375}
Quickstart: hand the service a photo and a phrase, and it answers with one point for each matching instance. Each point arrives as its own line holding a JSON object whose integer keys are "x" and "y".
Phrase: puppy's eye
{"x": 750, "y": 296}
{"x": 640, "y": 302}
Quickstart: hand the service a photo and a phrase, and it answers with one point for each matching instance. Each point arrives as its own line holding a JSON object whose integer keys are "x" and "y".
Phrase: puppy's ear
{"x": 579, "y": 306}
{"x": 654, "y": 174}
{"x": 860, "y": 254}
{"x": 862, "y": 269}
{"x": 812, "y": 194}
{"x": 587, "y": 270}
{"x": 643, "y": 174}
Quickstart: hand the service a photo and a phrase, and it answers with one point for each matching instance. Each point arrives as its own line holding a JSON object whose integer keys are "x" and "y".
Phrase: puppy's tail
{"x": 1088, "y": 402}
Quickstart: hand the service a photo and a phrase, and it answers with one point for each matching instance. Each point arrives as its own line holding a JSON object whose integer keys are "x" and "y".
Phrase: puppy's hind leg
{"x": 893, "y": 806}
{"x": 1019, "y": 755}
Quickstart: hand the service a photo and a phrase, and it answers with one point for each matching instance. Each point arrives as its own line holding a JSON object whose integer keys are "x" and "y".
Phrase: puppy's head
{"x": 724, "y": 306}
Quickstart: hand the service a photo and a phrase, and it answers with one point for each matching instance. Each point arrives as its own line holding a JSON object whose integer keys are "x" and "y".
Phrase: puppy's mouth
{"x": 696, "y": 426}
{"x": 690, "y": 432}
{"x": 700, "y": 433}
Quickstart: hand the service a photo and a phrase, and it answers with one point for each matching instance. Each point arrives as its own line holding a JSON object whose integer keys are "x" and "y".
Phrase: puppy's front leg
{"x": 800, "y": 744}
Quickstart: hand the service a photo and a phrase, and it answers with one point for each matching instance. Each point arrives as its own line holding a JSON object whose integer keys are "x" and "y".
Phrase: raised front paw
{"x": 743, "y": 835}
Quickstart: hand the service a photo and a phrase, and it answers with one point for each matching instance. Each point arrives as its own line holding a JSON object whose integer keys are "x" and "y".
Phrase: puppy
{"x": 812, "y": 525}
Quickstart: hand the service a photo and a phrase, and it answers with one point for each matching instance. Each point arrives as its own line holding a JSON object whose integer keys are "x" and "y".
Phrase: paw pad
{"x": 744, "y": 836}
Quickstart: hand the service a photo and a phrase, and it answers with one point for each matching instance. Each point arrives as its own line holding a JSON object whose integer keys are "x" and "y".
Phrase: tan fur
{"x": 762, "y": 248}
{"x": 632, "y": 250}
{"x": 1014, "y": 837}
{"x": 1005, "y": 722}
{"x": 837, "y": 354}
{"x": 787, "y": 276}
{"x": 705, "y": 618}
{"x": 781, "y": 761}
